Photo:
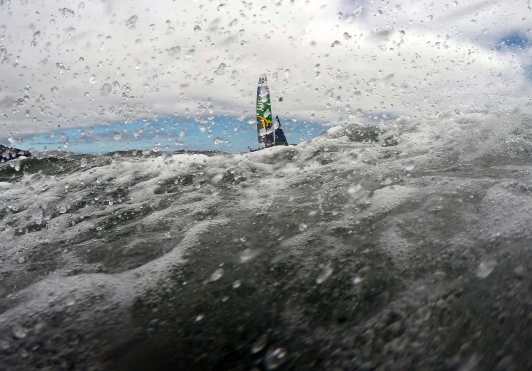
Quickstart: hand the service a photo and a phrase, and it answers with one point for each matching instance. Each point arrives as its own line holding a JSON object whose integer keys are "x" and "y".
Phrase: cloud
{"x": 330, "y": 61}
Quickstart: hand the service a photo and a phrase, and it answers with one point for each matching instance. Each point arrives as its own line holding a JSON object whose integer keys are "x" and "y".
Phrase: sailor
{"x": 268, "y": 140}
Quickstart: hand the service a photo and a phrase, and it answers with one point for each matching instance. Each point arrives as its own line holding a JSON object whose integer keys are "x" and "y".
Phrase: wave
{"x": 363, "y": 248}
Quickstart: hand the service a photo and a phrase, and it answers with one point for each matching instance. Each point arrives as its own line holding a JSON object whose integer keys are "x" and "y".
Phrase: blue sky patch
{"x": 513, "y": 41}
{"x": 528, "y": 72}
{"x": 167, "y": 134}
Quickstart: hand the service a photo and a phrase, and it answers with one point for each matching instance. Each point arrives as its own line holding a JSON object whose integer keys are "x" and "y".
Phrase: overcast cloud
{"x": 73, "y": 63}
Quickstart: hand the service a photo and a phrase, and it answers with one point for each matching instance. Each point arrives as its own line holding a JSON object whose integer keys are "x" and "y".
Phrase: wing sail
{"x": 265, "y": 129}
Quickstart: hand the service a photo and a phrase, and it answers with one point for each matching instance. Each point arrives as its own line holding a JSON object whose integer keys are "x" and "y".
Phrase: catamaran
{"x": 269, "y": 133}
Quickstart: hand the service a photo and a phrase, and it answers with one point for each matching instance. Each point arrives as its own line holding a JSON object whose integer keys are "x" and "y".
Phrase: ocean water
{"x": 406, "y": 247}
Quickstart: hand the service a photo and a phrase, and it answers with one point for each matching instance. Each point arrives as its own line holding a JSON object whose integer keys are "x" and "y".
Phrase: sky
{"x": 163, "y": 134}
{"x": 69, "y": 64}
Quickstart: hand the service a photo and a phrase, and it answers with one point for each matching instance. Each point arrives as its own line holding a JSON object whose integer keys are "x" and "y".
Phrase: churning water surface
{"x": 392, "y": 249}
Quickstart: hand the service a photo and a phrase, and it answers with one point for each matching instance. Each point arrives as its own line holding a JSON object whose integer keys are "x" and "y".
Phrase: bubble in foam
{"x": 275, "y": 357}
{"x": 19, "y": 332}
{"x": 485, "y": 268}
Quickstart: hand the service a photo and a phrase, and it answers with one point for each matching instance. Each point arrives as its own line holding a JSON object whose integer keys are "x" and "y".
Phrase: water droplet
{"x": 218, "y": 141}
{"x": 485, "y": 268}
{"x": 357, "y": 280}
{"x": 221, "y": 69}
{"x": 70, "y": 31}
{"x": 70, "y": 302}
{"x": 19, "y": 332}
{"x": 131, "y": 22}
{"x": 92, "y": 79}
{"x": 520, "y": 271}
{"x": 62, "y": 209}
{"x": 106, "y": 89}
{"x": 237, "y": 284}
{"x": 248, "y": 255}
{"x": 275, "y": 358}
{"x": 36, "y": 35}
{"x": 174, "y": 51}
{"x": 217, "y": 178}
{"x": 303, "y": 227}
{"x": 326, "y": 272}
{"x": 216, "y": 275}
{"x": 199, "y": 318}
{"x": 39, "y": 326}
{"x": 66, "y": 12}
{"x": 61, "y": 67}
{"x": 354, "y": 189}
{"x": 260, "y": 344}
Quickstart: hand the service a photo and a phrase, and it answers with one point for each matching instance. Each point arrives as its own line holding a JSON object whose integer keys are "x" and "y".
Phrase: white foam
{"x": 270, "y": 175}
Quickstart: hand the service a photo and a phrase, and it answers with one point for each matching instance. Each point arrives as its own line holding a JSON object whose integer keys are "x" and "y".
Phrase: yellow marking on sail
{"x": 264, "y": 122}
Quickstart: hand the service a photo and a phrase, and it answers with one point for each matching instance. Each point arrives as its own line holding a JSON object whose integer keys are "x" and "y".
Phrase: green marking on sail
{"x": 264, "y": 111}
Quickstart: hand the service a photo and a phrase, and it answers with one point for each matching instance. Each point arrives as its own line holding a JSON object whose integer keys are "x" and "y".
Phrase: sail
{"x": 265, "y": 129}
{"x": 269, "y": 133}
{"x": 279, "y": 137}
